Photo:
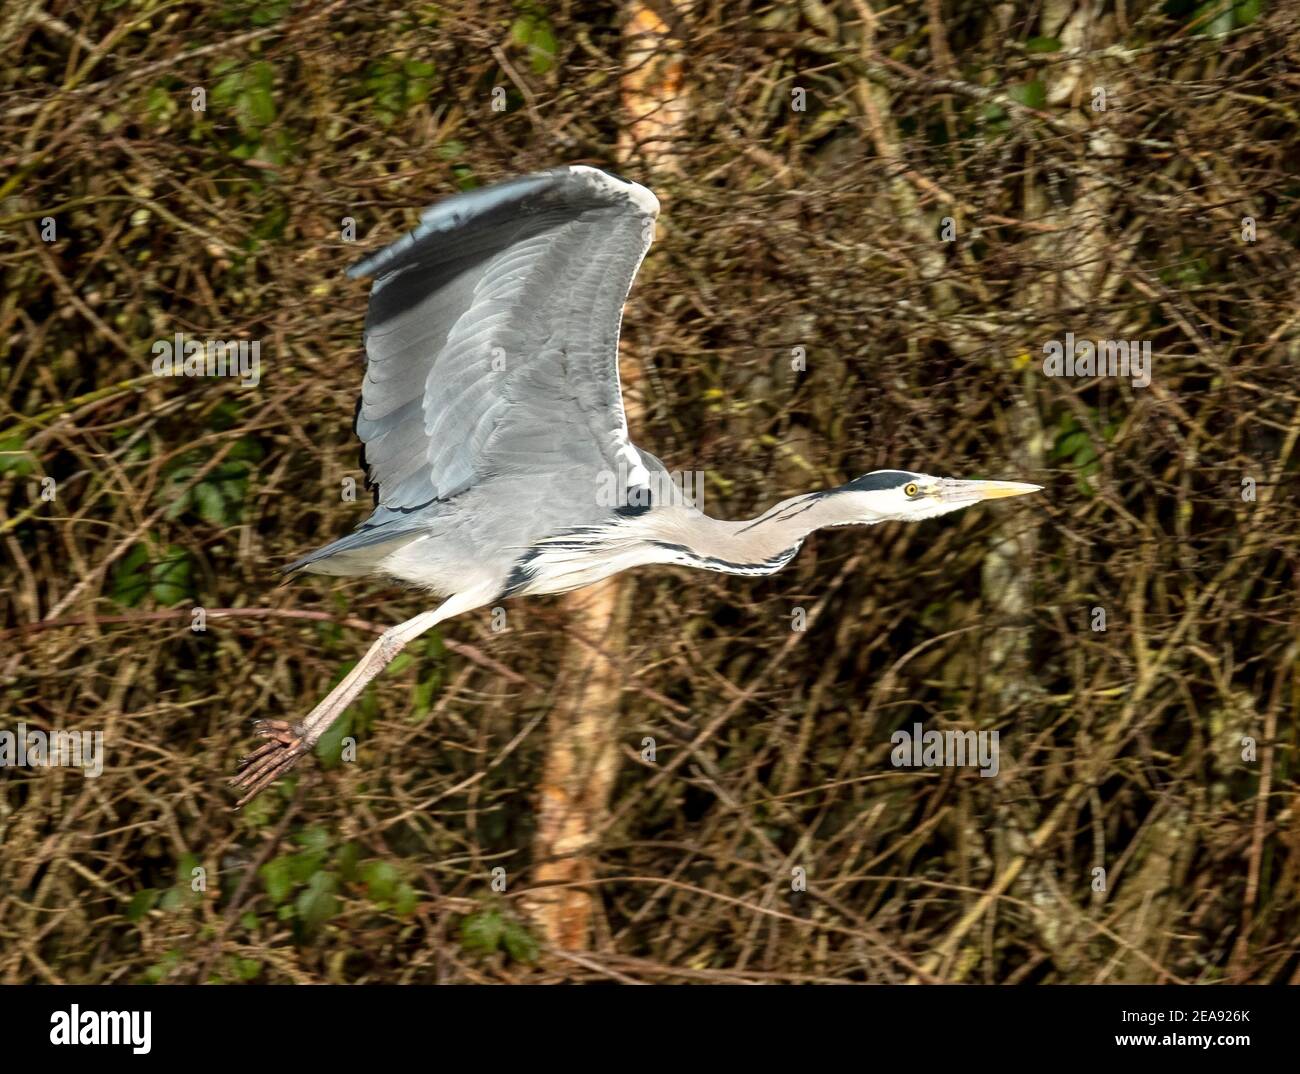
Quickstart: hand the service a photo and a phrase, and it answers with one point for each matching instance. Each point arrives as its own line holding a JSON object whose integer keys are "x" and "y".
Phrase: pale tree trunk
{"x": 582, "y": 753}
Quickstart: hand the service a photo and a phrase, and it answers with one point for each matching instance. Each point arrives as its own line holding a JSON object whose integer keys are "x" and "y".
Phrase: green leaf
{"x": 130, "y": 580}
{"x": 400, "y": 663}
{"x": 162, "y": 968}
{"x": 542, "y": 48}
{"x": 381, "y": 878}
{"x": 329, "y": 749}
{"x": 141, "y": 903}
{"x": 482, "y": 931}
{"x": 13, "y": 459}
{"x": 174, "y": 899}
{"x": 1247, "y": 12}
{"x": 211, "y": 504}
{"x": 304, "y": 866}
{"x": 419, "y": 81}
{"x": 226, "y": 91}
{"x": 255, "y": 109}
{"x": 345, "y": 860}
{"x": 1030, "y": 94}
{"x": 405, "y": 901}
{"x": 277, "y": 877}
{"x": 169, "y": 578}
{"x": 260, "y": 75}
{"x": 464, "y": 175}
{"x": 422, "y": 701}
{"x": 1069, "y": 444}
{"x": 316, "y": 903}
{"x": 247, "y": 969}
{"x": 160, "y": 104}
{"x": 532, "y": 31}
{"x": 396, "y": 86}
{"x": 520, "y": 943}
{"x": 249, "y": 92}
{"x": 313, "y": 837}
{"x": 1043, "y": 44}
{"x": 521, "y": 30}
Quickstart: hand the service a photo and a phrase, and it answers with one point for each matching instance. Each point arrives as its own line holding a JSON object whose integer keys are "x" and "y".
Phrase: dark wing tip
{"x": 578, "y": 184}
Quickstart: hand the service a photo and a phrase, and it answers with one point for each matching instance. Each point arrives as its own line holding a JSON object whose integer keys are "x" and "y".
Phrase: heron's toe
{"x": 271, "y": 760}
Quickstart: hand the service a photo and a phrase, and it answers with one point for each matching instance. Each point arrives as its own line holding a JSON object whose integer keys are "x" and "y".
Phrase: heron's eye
{"x": 910, "y": 490}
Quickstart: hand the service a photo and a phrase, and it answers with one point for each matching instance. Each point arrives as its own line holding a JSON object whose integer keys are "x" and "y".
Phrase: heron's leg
{"x": 287, "y": 742}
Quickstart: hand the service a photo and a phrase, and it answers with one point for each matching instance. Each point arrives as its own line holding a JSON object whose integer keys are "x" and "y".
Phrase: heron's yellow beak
{"x": 996, "y": 490}
{"x": 974, "y": 491}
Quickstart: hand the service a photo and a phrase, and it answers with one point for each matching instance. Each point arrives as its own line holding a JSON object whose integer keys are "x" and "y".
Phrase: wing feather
{"x": 492, "y": 336}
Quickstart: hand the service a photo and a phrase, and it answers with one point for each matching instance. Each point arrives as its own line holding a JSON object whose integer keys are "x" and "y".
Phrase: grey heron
{"x": 491, "y": 417}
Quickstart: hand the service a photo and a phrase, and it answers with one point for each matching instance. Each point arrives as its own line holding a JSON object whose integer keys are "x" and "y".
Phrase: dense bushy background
{"x": 821, "y": 229}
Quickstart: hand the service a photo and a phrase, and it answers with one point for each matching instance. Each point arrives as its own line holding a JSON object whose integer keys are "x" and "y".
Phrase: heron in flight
{"x": 491, "y": 419}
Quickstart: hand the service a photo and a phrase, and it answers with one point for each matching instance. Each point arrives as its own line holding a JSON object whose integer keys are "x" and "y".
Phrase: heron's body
{"x": 493, "y": 429}
{"x": 456, "y": 551}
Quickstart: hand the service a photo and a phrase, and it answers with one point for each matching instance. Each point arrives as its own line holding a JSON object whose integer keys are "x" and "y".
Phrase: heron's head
{"x": 901, "y": 495}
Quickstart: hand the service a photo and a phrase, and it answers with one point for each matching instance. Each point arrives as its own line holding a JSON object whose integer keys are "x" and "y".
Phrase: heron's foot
{"x": 286, "y": 743}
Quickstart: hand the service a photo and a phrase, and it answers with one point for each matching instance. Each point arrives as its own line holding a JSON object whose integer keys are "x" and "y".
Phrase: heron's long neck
{"x": 761, "y": 545}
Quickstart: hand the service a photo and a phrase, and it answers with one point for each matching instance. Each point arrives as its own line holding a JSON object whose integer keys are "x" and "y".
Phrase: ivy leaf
{"x": 381, "y": 879}
{"x": 130, "y": 582}
{"x": 141, "y": 903}
{"x": 247, "y": 969}
{"x": 532, "y": 31}
{"x": 1030, "y": 94}
{"x": 482, "y": 931}
{"x": 316, "y": 903}
{"x": 1068, "y": 444}
{"x": 520, "y": 943}
{"x": 277, "y": 876}
{"x": 169, "y": 578}
{"x": 1247, "y": 11}
{"x": 405, "y": 901}
{"x": 345, "y": 860}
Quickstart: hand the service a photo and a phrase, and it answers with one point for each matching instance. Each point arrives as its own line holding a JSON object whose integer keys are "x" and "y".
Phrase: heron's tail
{"x": 361, "y": 550}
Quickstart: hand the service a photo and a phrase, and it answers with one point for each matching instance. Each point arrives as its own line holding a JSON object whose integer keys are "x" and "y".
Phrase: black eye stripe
{"x": 881, "y": 480}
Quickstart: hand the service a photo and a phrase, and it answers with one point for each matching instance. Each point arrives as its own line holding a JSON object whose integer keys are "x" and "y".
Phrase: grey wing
{"x": 492, "y": 347}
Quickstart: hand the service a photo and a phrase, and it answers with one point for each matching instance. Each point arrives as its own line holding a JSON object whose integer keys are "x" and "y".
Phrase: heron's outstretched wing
{"x": 492, "y": 337}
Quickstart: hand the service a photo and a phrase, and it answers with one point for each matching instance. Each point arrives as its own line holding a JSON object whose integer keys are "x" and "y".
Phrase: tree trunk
{"x": 582, "y": 758}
